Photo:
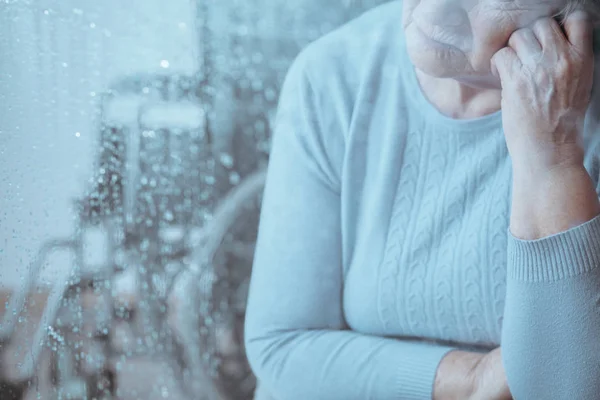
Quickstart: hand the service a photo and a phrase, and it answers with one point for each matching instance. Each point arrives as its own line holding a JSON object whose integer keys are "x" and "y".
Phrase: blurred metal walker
{"x": 177, "y": 198}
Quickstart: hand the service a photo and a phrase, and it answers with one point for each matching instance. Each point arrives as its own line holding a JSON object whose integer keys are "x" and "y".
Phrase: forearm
{"x": 551, "y": 198}
{"x": 552, "y": 318}
{"x": 455, "y": 377}
{"x": 340, "y": 364}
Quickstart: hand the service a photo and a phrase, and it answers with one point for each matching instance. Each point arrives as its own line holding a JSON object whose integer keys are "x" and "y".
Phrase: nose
{"x": 443, "y": 13}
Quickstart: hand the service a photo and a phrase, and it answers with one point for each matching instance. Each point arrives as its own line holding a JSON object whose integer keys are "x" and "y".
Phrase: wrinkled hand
{"x": 490, "y": 379}
{"x": 546, "y": 76}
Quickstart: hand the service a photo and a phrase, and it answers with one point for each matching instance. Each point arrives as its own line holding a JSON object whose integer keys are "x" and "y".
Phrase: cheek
{"x": 492, "y": 27}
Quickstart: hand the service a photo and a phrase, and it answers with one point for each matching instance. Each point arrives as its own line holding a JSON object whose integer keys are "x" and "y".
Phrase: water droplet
{"x": 234, "y": 178}
{"x": 92, "y": 25}
{"x": 164, "y": 63}
{"x": 77, "y": 134}
{"x": 226, "y": 159}
{"x": 270, "y": 94}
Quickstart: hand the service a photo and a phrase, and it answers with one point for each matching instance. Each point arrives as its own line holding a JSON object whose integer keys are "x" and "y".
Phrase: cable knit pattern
{"x": 392, "y": 275}
{"x": 437, "y": 264}
{"x": 443, "y": 289}
{"x": 418, "y": 242}
{"x": 499, "y": 211}
{"x": 383, "y": 242}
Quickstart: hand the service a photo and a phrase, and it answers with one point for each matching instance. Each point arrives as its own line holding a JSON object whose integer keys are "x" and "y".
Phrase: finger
{"x": 579, "y": 30}
{"x": 504, "y": 62}
{"x": 549, "y": 34}
{"x": 525, "y": 44}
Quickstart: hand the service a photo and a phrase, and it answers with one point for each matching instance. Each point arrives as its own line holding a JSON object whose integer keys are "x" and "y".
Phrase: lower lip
{"x": 433, "y": 43}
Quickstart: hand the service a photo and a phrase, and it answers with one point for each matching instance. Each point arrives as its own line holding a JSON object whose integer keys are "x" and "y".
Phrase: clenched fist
{"x": 546, "y": 72}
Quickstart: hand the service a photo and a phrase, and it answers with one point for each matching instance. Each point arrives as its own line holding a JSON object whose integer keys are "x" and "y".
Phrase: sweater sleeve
{"x": 551, "y": 329}
{"x": 296, "y": 338}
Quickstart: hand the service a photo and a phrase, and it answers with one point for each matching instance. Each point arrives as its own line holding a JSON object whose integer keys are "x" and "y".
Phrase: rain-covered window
{"x": 134, "y": 135}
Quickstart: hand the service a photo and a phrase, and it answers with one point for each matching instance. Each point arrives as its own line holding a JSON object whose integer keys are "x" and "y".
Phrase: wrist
{"x": 540, "y": 162}
{"x": 550, "y": 201}
{"x": 483, "y": 378}
{"x": 476, "y": 378}
{"x": 456, "y": 377}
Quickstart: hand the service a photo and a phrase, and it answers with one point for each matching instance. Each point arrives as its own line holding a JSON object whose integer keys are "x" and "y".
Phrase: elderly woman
{"x": 430, "y": 222}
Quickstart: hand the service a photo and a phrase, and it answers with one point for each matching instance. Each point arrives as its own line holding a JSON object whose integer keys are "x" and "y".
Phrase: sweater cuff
{"x": 417, "y": 371}
{"x": 563, "y": 255}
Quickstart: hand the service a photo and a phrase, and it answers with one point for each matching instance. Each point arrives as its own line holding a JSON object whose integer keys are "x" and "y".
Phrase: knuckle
{"x": 542, "y": 23}
{"x": 503, "y": 53}
{"x": 522, "y": 32}
{"x": 542, "y": 26}
{"x": 519, "y": 34}
{"x": 499, "y": 60}
{"x": 538, "y": 24}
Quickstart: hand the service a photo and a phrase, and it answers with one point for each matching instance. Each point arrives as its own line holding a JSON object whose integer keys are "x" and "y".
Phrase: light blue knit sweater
{"x": 384, "y": 241}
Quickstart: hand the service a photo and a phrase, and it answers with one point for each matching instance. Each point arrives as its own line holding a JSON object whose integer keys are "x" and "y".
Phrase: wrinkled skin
{"x": 513, "y": 55}
{"x": 547, "y": 75}
{"x": 490, "y": 379}
{"x": 474, "y": 30}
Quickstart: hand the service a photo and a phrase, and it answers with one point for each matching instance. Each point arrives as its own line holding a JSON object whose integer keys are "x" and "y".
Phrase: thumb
{"x": 503, "y": 62}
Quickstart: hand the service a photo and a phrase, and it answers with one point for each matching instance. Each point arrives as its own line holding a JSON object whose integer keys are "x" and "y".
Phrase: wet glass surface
{"x": 133, "y": 142}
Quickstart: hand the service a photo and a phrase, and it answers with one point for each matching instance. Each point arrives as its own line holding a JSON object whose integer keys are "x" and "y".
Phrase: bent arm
{"x": 297, "y": 341}
{"x": 550, "y": 338}
{"x": 551, "y": 331}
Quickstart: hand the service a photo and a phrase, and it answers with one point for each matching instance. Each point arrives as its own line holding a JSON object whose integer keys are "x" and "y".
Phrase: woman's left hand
{"x": 546, "y": 76}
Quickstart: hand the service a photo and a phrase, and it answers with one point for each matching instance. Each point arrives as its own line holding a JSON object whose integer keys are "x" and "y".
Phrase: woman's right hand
{"x": 489, "y": 378}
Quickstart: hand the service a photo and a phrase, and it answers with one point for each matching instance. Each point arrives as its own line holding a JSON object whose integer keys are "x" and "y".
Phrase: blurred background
{"x": 133, "y": 141}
